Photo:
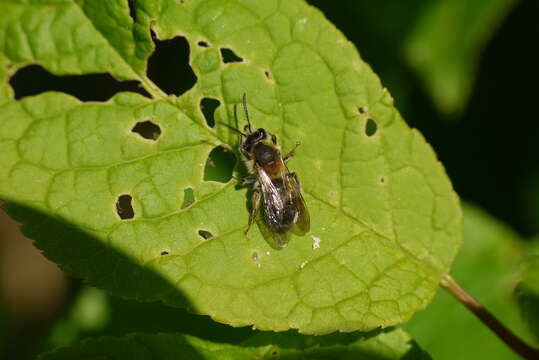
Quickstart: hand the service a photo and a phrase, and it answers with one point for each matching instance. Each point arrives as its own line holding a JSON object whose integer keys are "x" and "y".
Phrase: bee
{"x": 277, "y": 191}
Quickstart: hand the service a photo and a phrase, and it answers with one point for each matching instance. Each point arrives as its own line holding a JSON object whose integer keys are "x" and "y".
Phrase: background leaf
{"x": 94, "y": 314}
{"x": 382, "y": 208}
{"x": 487, "y": 268}
{"x": 444, "y": 47}
{"x": 395, "y": 344}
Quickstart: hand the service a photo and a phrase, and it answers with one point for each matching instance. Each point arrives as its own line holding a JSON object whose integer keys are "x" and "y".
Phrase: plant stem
{"x": 510, "y": 339}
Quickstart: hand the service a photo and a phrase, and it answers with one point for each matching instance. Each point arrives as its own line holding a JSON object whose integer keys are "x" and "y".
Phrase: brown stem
{"x": 514, "y": 342}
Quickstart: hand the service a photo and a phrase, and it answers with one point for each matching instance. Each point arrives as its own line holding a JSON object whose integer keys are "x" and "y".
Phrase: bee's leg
{"x": 255, "y": 204}
{"x": 273, "y": 138}
{"x": 291, "y": 153}
{"x": 245, "y": 180}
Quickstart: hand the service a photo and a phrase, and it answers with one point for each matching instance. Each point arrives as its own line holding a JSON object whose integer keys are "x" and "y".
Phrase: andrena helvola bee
{"x": 277, "y": 191}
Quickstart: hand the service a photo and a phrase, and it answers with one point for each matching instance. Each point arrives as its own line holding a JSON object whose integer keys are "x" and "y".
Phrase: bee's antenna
{"x": 236, "y": 116}
{"x": 246, "y": 112}
{"x": 231, "y": 128}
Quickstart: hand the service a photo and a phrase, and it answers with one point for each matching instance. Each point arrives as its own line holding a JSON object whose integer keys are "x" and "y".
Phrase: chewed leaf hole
{"x": 370, "y": 127}
{"x": 147, "y": 130}
{"x": 219, "y": 165}
{"x": 164, "y": 252}
{"x": 208, "y": 106}
{"x": 205, "y": 234}
{"x": 203, "y": 44}
{"x": 34, "y": 79}
{"x": 188, "y": 197}
{"x": 382, "y": 179}
{"x": 132, "y": 11}
{"x": 362, "y": 110}
{"x": 268, "y": 75}
{"x": 168, "y": 66}
{"x": 229, "y": 56}
{"x": 124, "y": 209}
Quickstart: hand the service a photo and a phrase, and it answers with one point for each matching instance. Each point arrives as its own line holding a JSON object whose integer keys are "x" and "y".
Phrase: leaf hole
{"x": 268, "y": 75}
{"x": 362, "y": 110}
{"x": 206, "y": 235}
{"x": 219, "y": 165}
{"x": 168, "y": 66}
{"x": 164, "y": 252}
{"x": 229, "y": 56}
{"x": 188, "y": 197}
{"x": 124, "y": 209}
{"x": 203, "y": 44}
{"x": 370, "y": 127}
{"x": 208, "y": 106}
{"x": 382, "y": 179}
{"x": 147, "y": 129}
{"x": 132, "y": 10}
{"x": 34, "y": 79}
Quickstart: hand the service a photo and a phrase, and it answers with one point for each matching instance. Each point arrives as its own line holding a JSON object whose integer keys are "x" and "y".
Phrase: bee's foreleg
{"x": 291, "y": 153}
{"x": 255, "y": 204}
{"x": 245, "y": 180}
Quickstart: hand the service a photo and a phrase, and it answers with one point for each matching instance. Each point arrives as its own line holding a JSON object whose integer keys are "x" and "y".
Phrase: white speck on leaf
{"x": 302, "y": 20}
{"x": 303, "y": 264}
{"x": 268, "y": 253}
{"x": 316, "y": 242}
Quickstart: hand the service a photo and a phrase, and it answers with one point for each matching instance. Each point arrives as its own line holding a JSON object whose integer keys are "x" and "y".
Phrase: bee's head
{"x": 259, "y": 135}
{"x": 253, "y": 138}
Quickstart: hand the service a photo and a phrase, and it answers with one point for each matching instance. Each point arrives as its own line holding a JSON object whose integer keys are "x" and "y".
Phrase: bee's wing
{"x": 273, "y": 212}
{"x": 302, "y": 224}
{"x": 275, "y": 240}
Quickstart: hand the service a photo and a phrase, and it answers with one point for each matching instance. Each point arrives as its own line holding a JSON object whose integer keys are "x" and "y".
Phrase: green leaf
{"x": 394, "y": 344}
{"x": 445, "y": 46}
{"x": 383, "y": 212}
{"x": 528, "y": 294}
{"x": 486, "y": 267}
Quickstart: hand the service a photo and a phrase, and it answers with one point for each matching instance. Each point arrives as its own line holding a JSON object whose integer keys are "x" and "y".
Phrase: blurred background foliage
{"x": 460, "y": 71}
